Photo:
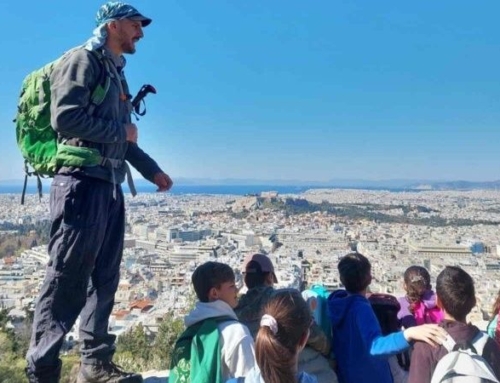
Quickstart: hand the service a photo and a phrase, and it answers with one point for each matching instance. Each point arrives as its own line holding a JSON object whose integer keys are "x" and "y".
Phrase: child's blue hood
{"x": 339, "y": 303}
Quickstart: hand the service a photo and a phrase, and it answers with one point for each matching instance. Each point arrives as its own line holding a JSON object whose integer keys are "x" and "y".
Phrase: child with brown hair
{"x": 456, "y": 295}
{"x": 418, "y": 306}
{"x": 386, "y": 308}
{"x": 358, "y": 343}
{"x": 215, "y": 346}
{"x": 258, "y": 271}
{"x": 283, "y": 333}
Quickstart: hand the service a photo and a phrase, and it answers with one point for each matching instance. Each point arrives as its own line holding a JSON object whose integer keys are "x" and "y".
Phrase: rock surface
{"x": 155, "y": 377}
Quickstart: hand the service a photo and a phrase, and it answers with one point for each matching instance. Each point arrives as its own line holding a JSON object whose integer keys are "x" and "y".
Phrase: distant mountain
{"x": 350, "y": 183}
{"x": 458, "y": 185}
{"x": 337, "y": 183}
{"x": 333, "y": 183}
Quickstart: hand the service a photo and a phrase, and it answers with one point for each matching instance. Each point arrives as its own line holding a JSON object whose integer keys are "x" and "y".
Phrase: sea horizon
{"x": 240, "y": 190}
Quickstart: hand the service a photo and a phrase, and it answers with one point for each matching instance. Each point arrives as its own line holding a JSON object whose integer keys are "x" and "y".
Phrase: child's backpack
{"x": 386, "y": 308}
{"x": 35, "y": 136}
{"x": 464, "y": 363}
{"x": 493, "y": 328}
{"x": 424, "y": 315}
{"x": 497, "y": 330}
{"x": 321, "y": 312}
{"x": 317, "y": 299}
{"x": 196, "y": 355}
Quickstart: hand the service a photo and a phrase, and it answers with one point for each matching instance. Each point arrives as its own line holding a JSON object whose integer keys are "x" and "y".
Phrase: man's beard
{"x": 128, "y": 48}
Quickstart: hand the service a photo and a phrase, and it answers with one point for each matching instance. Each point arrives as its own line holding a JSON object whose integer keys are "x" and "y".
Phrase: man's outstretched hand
{"x": 163, "y": 181}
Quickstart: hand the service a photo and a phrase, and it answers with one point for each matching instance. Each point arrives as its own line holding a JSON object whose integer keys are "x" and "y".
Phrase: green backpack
{"x": 196, "y": 356}
{"x": 35, "y": 136}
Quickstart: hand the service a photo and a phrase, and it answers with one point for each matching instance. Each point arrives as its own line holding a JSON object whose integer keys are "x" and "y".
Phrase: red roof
{"x": 143, "y": 305}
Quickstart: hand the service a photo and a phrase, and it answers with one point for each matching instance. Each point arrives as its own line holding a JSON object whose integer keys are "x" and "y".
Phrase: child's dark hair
{"x": 209, "y": 275}
{"x": 456, "y": 292}
{"x": 355, "y": 272}
{"x": 256, "y": 278}
{"x": 386, "y": 308}
{"x": 496, "y": 305}
{"x": 275, "y": 350}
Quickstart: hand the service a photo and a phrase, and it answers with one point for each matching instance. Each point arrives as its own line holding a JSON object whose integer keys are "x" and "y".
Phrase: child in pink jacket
{"x": 418, "y": 306}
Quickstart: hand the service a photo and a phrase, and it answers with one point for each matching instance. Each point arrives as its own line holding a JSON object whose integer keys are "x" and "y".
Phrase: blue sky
{"x": 314, "y": 90}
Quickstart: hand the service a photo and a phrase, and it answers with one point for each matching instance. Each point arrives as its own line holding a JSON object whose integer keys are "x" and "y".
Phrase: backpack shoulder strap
{"x": 479, "y": 342}
{"x": 192, "y": 330}
{"x": 189, "y": 332}
{"x": 102, "y": 86}
{"x": 449, "y": 343}
{"x": 101, "y": 89}
{"x": 224, "y": 318}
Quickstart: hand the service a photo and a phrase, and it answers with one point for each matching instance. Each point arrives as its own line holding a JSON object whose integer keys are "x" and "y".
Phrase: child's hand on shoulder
{"x": 428, "y": 333}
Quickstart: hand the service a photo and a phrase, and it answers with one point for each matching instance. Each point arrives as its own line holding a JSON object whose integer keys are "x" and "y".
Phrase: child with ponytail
{"x": 283, "y": 333}
{"x": 419, "y": 305}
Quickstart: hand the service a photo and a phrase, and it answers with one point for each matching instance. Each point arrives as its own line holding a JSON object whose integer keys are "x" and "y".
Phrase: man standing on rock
{"x": 86, "y": 202}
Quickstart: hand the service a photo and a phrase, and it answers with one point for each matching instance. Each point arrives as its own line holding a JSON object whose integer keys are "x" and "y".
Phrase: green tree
{"x": 168, "y": 332}
{"x": 22, "y": 337}
{"x": 6, "y": 345}
{"x": 12, "y": 370}
{"x": 135, "y": 341}
{"x": 70, "y": 367}
{"x": 3, "y": 318}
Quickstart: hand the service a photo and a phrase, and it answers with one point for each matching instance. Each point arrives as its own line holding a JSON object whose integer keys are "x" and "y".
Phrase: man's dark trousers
{"x": 85, "y": 248}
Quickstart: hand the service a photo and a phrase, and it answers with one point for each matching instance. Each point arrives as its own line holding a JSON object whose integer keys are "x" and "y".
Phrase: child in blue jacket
{"x": 360, "y": 349}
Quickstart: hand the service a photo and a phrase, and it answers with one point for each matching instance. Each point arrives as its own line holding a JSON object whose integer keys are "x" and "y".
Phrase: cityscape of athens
{"x": 169, "y": 235}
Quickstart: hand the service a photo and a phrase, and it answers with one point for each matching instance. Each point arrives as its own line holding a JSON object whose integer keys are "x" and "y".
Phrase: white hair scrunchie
{"x": 269, "y": 321}
{"x": 416, "y": 278}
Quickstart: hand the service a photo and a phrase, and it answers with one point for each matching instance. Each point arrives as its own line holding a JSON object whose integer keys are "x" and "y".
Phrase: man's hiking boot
{"x": 45, "y": 374}
{"x": 107, "y": 372}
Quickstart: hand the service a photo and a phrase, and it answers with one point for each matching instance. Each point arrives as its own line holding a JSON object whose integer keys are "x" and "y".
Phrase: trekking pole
{"x": 139, "y": 97}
